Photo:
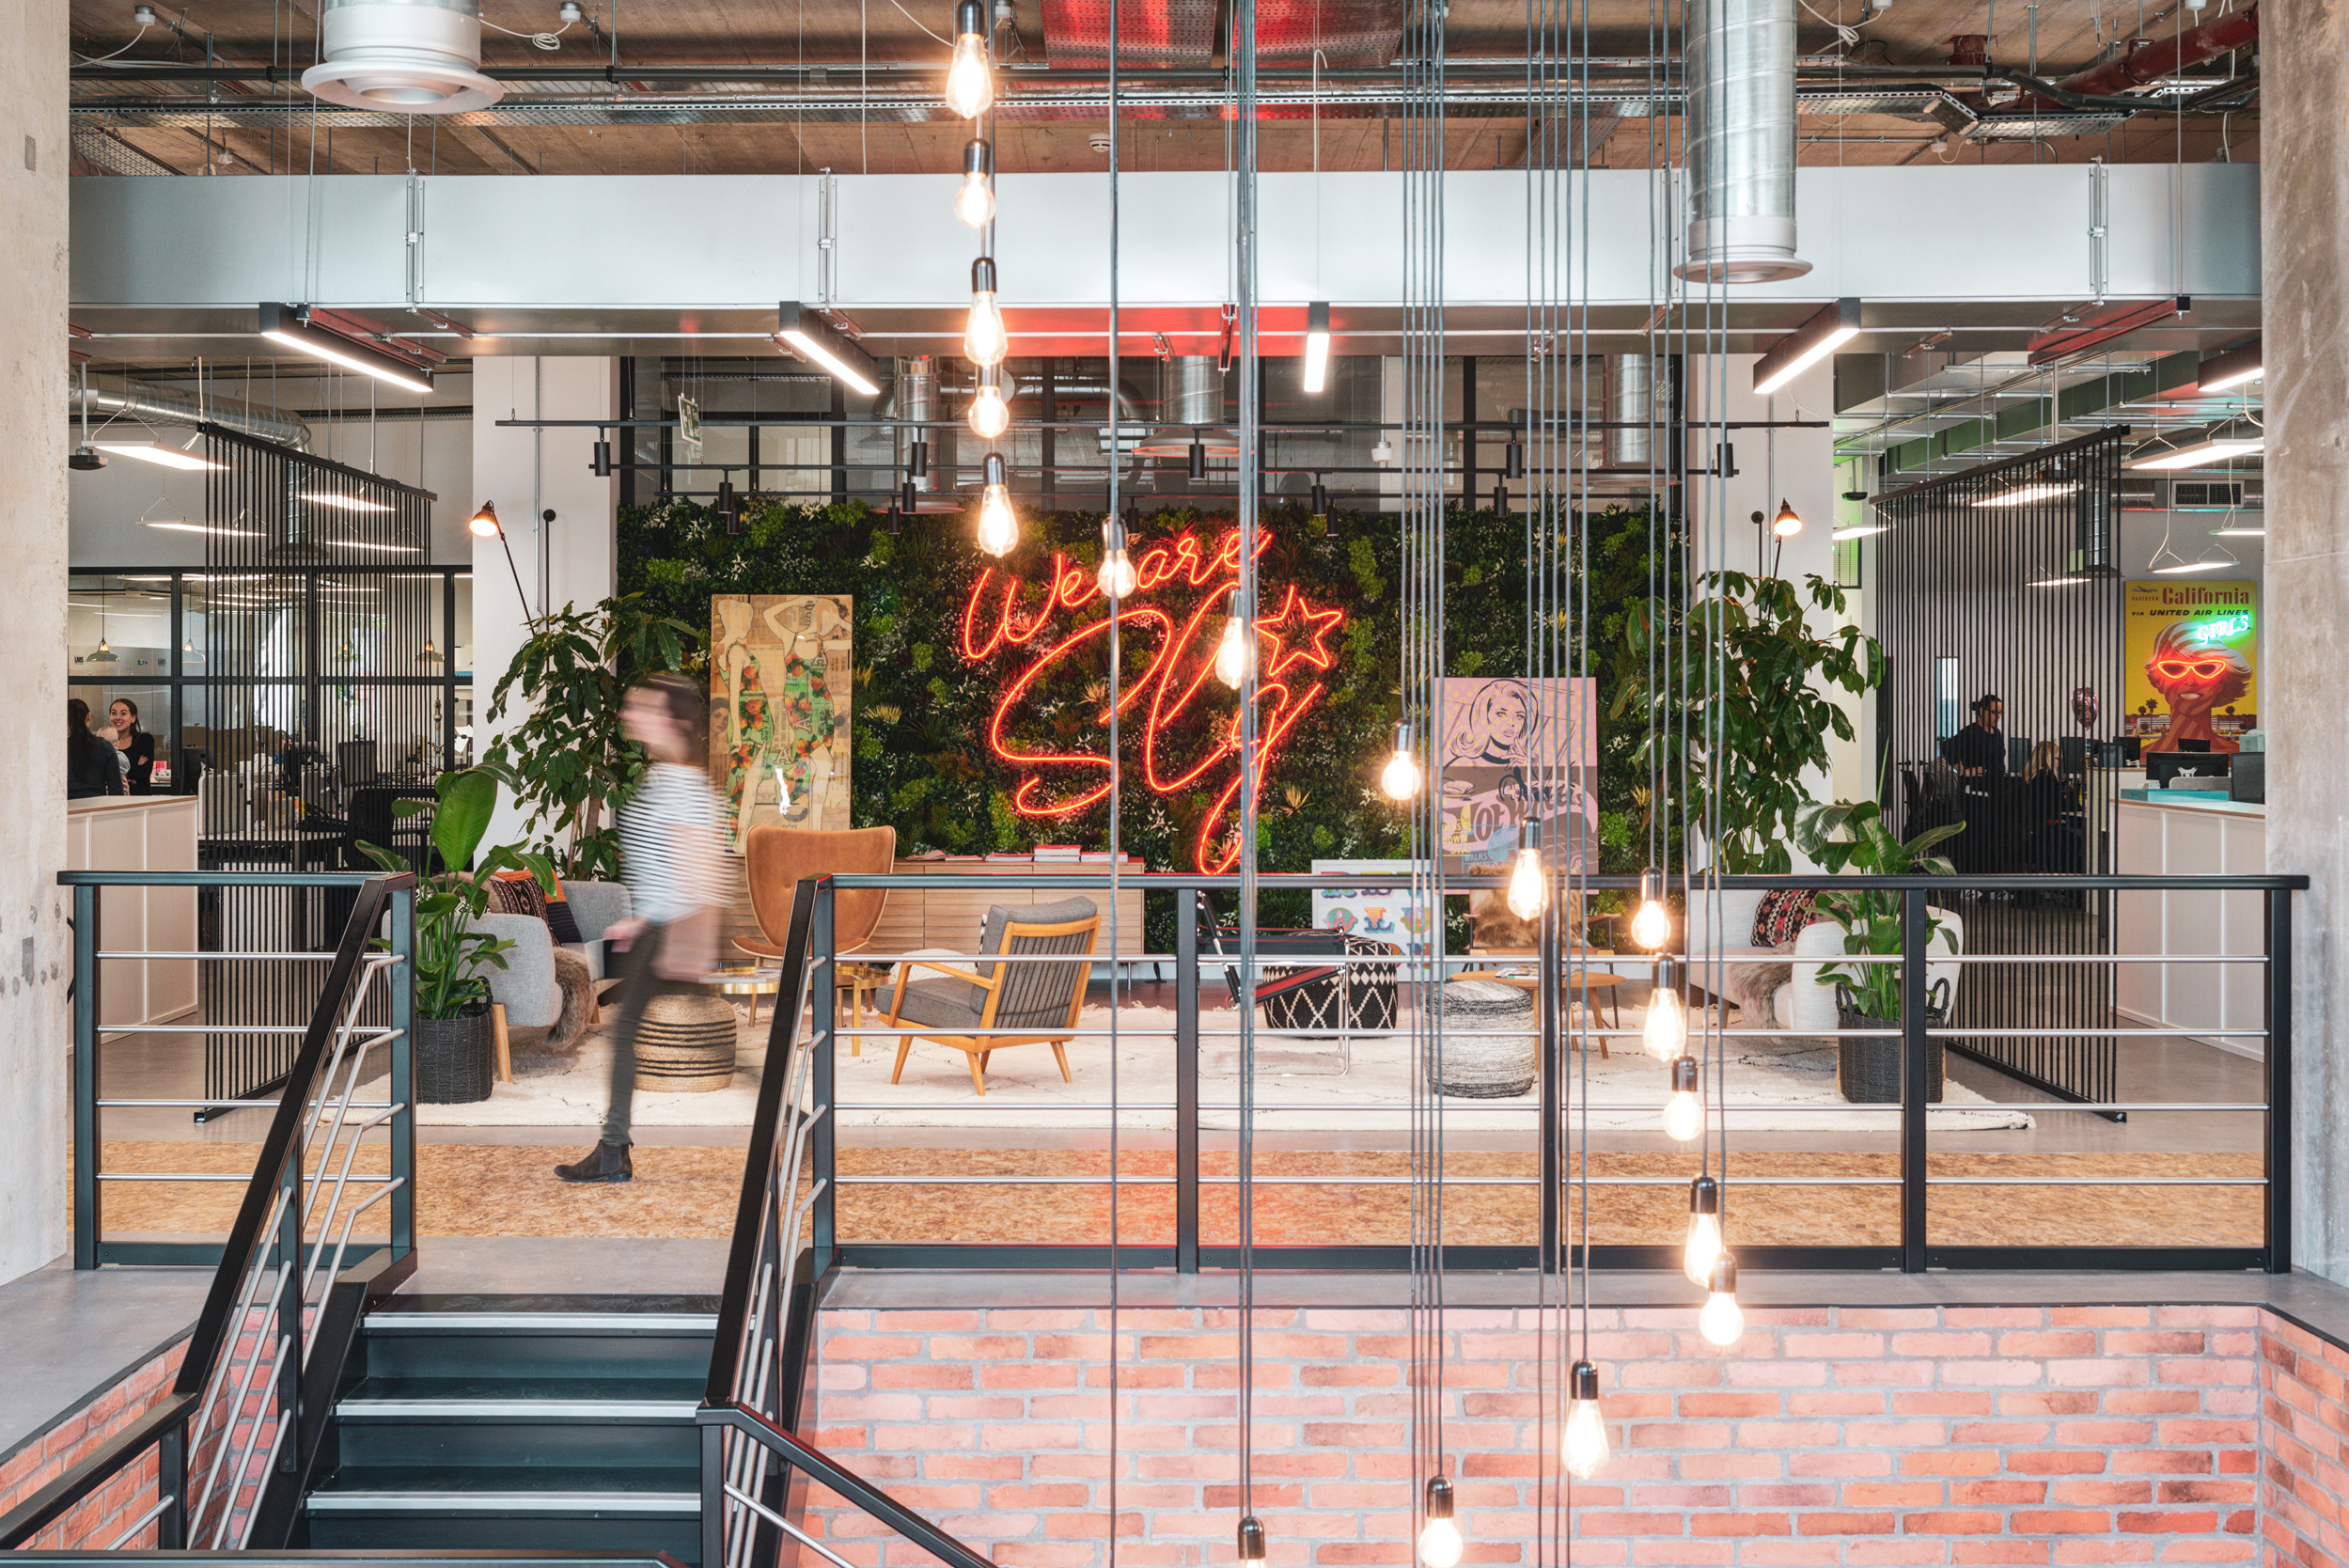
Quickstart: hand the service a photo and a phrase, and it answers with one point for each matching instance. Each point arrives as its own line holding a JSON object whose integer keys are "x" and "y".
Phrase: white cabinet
{"x": 2214, "y": 837}
{"x": 139, "y": 833}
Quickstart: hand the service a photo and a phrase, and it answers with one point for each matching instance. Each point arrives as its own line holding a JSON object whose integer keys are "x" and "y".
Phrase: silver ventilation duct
{"x": 1631, "y": 404}
{"x": 916, "y": 402}
{"x": 108, "y": 399}
{"x": 1740, "y": 59}
{"x": 1191, "y": 402}
{"x": 407, "y": 56}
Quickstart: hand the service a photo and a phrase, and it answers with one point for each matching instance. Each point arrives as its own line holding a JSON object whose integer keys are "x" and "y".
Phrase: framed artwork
{"x": 1394, "y": 914}
{"x": 1515, "y": 766}
{"x": 781, "y": 670}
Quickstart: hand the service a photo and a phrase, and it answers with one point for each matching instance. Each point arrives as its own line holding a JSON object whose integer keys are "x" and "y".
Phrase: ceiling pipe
{"x": 1740, "y": 135}
{"x": 111, "y": 398}
{"x": 2141, "y": 66}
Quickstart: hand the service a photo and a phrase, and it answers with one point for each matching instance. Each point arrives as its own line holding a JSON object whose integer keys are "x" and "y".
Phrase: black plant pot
{"x": 455, "y": 1059}
{"x": 1868, "y": 1069}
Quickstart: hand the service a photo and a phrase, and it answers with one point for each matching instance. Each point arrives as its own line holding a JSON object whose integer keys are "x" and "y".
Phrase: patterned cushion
{"x": 1781, "y": 915}
{"x": 559, "y": 920}
{"x": 517, "y": 893}
{"x": 1330, "y": 999}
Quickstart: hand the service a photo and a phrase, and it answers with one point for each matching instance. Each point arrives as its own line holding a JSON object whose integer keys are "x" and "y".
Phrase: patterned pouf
{"x": 686, "y": 1046}
{"x": 1491, "y": 1048}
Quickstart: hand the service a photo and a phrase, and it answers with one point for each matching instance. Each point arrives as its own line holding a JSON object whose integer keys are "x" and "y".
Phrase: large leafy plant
{"x": 451, "y": 956}
{"x": 1734, "y": 688}
{"x": 1853, "y": 836}
{"x": 573, "y": 766}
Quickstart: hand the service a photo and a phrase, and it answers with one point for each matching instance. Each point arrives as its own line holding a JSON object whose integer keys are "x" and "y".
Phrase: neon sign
{"x": 2209, "y": 632}
{"x": 1182, "y": 588}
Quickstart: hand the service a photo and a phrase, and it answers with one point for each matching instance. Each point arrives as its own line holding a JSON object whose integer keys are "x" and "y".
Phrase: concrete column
{"x": 527, "y": 474}
{"x": 2304, "y": 238}
{"x": 36, "y": 951}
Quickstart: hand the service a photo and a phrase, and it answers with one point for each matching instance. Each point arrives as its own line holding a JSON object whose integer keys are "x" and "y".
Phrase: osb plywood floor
{"x": 498, "y": 1190}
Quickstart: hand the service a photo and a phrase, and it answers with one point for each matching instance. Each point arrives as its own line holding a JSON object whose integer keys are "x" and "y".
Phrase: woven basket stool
{"x": 1492, "y": 1049}
{"x": 686, "y": 1046}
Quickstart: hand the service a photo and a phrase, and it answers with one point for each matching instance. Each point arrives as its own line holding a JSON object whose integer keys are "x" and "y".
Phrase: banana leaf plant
{"x": 452, "y": 957}
{"x": 1851, "y": 835}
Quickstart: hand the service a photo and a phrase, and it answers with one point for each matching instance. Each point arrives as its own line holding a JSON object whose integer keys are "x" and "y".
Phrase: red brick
{"x": 1825, "y": 1523}
{"x": 1949, "y": 1523}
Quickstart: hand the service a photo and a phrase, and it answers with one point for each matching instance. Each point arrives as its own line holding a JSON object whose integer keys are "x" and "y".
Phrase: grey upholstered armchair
{"x": 526, "y": 986}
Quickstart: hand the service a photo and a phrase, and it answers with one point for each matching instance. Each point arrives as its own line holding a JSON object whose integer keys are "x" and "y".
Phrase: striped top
{"x": 663, "y": 884}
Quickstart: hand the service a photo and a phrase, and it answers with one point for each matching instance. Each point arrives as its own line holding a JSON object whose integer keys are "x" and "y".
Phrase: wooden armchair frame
{"x": 975, "y": 1049}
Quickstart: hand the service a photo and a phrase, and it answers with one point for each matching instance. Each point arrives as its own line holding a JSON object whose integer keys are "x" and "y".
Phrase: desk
{"x": 916, "y": 918}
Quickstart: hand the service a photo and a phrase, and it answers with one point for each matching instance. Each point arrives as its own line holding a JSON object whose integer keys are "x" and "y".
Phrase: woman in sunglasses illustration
{"x": 2195, "y": 678}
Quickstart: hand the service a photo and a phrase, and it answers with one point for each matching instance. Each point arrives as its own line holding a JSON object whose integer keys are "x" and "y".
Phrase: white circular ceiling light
{"x": 402, "y": 56}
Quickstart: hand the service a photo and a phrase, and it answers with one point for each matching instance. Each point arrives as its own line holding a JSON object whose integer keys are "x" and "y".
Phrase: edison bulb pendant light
{"x": 1237, "y": 653}
{"x": 989, "y": 417}
{"x": 1529, "y": 888}
{"x": 1439, "y": 1538}
{"x": 1703, "y": 1249}
{"x": 1667, "y": 1028}
{"x": 1400, "y": 778}
{"x": 970, "y": 75}
{"x": 1251, "y": 1540}
{"x": 998, "y": 528}
{"x": 1683, "y": 1113}
{"x": 1651, "y": 924}
{"x": 975, "y": 203}
{"x": 1583, "y": 1448}
{"x": 1722, "y": 1322}
{"x": 1116, "y": 567}
{"x": 984, "y": 342}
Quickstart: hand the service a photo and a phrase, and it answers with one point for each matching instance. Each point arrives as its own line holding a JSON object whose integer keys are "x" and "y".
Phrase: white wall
{"x": 527, "y": 473}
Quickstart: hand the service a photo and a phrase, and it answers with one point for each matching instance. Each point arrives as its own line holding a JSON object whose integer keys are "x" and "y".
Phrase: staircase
{"x": 545, "y": 1424}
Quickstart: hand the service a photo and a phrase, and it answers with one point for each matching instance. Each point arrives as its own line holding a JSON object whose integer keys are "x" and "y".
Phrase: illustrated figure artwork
{"x": 2190, "y": 664}
{"x": 1516, "y": 757}
{"x": 1383, "y": 914}
{"x": 781, "y": 668}
{"x": 2195, "y": 678}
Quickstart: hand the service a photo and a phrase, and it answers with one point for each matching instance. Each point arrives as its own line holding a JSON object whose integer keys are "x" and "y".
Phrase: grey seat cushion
{"x": 942, "y": 1004}
{"x": 1037, "y": 996}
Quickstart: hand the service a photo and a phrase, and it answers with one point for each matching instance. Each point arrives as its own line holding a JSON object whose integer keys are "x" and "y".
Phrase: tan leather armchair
{"x": 778, "y": 858}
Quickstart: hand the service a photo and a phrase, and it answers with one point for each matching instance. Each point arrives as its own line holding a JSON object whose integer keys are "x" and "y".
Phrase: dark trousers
{"x": 639, "y": 984}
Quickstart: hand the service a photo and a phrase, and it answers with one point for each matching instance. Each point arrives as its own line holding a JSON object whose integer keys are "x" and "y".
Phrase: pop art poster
{"x": 1393, "y": 913}
{"x": 1517, "y": 758}
{"x": 780, "y": 673}
{"x": 2188, "y": 662}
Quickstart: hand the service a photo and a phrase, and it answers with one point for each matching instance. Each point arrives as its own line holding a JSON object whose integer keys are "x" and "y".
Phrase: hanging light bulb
{"x": 1683, "y": 1113}
{"x": 1236, "y": 656}
{"x": 1400, "y": 778}
{"x": 1116, "y": 567}
{"x": 975, "y": 203}
{"x": 1439, "y": 1538}
{"x": 998, "y": 527}
{"x": 1529, "y": 888}
{"x": 970, "y": 76}
{"x": 1667, "y": 1028}
{"x": 1251, "y": 1540}
{"x": 1583, "y": 1448}
{"x": 1651, "y": 925}
{"x": 1722, "y": 1322}
{"x": 1788, "y": 522}
{"x": 988, "y": 415}
{"x": 983, "y": 339}
{"x": 1704, "y": 1231}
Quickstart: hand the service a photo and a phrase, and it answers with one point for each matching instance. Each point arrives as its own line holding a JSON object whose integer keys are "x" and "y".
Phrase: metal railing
{"x": 235, "y": 1439}
{"x": 1550, "y": 1139}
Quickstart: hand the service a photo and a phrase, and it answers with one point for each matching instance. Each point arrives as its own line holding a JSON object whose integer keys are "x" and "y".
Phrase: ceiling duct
{"x": 915, "y": 397}
{"x": 1631, "y": 404}
{"x": 1346, "y": 32}
{"x": 1741, "y": 142}
{"x": 106, "y": 397}
{"x": 1151, "y": 33}
{"x": 1191, "y": 400}
{"x": 407, "y": 56}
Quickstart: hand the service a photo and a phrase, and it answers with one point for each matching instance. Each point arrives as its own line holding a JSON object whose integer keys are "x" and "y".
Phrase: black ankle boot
{"x": 606, "y": 1162}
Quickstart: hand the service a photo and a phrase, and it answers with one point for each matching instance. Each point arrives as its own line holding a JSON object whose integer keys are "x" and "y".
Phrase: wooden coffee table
{"x": 1586, "y": 988}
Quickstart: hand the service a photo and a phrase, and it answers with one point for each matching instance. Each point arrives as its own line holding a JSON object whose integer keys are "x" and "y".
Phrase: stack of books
{"x": 1068, "y": 854}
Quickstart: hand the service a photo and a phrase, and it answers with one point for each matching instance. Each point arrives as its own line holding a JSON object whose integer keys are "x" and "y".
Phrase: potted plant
{"x": 1867, "y": 995}
{"x": 453, "y": 1041}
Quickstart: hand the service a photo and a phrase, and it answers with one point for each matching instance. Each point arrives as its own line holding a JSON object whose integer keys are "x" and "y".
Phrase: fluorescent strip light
{"x": 2193, "y": 566}
{"x": 2238, "y": 533}
{"x": 2058, "y": 582}
{"x": 1808, "y": 344}
{"x": 363, "y": 545}
{"x": 2232, "y": 368}
{"x": 2201, "y": 454}
{"x": 818, "y": 341}
{"x": 206, "y": 528}
{"x": 347, "y": 503}
{"x": 283, "y": 324}
{"x": 1316, "y": 345}
{"x": 1861, "y": 530}
{"x": 156, "y": 452}
{"x": 2023, "y": 495}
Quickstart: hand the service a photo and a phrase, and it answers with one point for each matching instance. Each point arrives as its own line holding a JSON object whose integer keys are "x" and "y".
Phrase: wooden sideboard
{"x": 916, "y": 918}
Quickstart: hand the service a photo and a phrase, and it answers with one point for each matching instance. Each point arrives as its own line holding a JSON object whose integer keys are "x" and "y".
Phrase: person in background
{"x": 2050, "y": 802}
{"x": 670, "y": 855}
{"x": 134, "y": 748}
{"x": 1979, "y": 752}
{"x": 90, "y": 768}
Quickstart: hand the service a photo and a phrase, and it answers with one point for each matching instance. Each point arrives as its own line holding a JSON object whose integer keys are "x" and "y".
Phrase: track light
{"x": 1116, "y": 567}
{"x": 284, "y": 324}
{"x": 1651, "y": 924}
{"x": 1683, "y": 1113}
{"x": 1400, "y": 778}
{"x": 916, "y": 458}
{"x": 822, "y": 344}
{"x": 1722, "y": 1322}
{"x": 1236, "y": 654}
{"x": 1318, "y": 504}
{"x": 1703, "y": 1247}
{"x": 730, "y": 513}
{"x": 975, "y": 203}
{"x": 1529, "y": 888}
{"x": 1513, "y": 463}
{"x": 484, "y": 523}
{"x": 599, "y": 460}
{"x": 989, "y": 417}
{"x": 984, "y": 341}
{"x": 908, "y": 498}
{"x": 1316, "y": 345}
{"x": 1808, "y": 344}
{"x": 1439, "y": 1538}
{"x": 1788, "y": 522}
{"x": 1500, "y": 496}
{"x": 1667, "y": 1028}
{"x": 998, "y": 527}
{"x": 970, "y": 75}
{"x": 1583, "y": 1448}
{"x": 1198, "y": 458}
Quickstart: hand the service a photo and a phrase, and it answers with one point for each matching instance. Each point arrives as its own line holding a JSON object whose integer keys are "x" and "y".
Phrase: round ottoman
{"x": 686, "y": 1046}
{"x": 1491, "y": 1048}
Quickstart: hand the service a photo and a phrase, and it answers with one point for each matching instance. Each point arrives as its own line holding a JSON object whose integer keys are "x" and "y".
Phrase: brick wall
{"x": 98, "y": 1521}
{"x": 1844, "y": 1436}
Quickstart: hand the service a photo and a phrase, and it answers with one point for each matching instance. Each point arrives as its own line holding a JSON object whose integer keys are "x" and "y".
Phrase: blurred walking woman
{"x": 134, "y": 748}
{"x": 90, "y": 768}
{"x": 669, "y": 855}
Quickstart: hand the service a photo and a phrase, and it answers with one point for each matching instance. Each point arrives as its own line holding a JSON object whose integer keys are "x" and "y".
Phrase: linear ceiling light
{"x": 284, "y": 324}
{"x": 1808, "y": 344}
{"x": 817, "y": 340}
{"x": 156, "y": 452}
{"x": 2232, "y": 368}
{"x": 206, "y": 528}
{"x": 2023, "y": 495}
{"x": 2201, "y": 454}
{"x": 1316, "y": 345}
{"x": 1861, "y": 530}
{"x": 2058, "y": 582}
{"x": 364, "y": 544}
{"x": 347, "y": 503}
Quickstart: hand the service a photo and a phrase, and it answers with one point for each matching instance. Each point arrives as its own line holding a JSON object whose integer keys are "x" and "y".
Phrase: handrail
{"x": 819, "y": 1465}
{"x": 1463, "y": 883}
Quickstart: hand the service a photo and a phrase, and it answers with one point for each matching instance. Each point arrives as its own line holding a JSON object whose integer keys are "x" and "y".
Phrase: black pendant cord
{"x": 1117, "y": 788}
{"x": 1250, "y": 477}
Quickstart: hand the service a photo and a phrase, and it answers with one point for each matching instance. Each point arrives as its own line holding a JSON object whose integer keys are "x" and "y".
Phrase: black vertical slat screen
{"x": 2006, "y": 578}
